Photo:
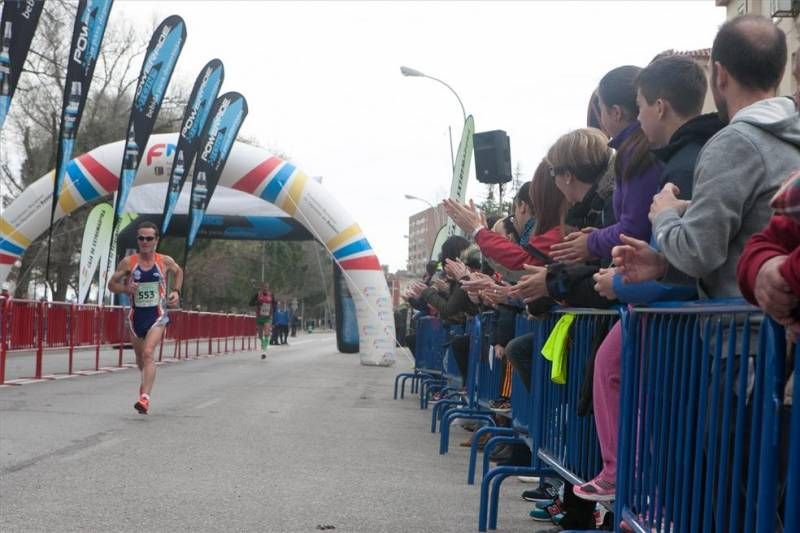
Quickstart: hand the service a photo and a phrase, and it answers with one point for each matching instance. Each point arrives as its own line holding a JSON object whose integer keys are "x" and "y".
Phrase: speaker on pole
{"x": 492, "y": 156}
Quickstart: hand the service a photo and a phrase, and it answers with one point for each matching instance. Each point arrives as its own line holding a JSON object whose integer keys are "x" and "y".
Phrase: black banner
{"x": 159, "y": 63}
{"x": 17, "y": 26}
{"x": 205, "y": 91}
{"x": 218, "y": 137}
{"x": 87, "y": 37}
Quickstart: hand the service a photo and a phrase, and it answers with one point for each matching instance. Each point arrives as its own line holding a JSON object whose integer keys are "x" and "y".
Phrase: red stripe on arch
{"x": 6, "y": 259}
{"x": 251, "y": 180}
{"x": 369, "y": 262}
{"x": 103, "y": 176}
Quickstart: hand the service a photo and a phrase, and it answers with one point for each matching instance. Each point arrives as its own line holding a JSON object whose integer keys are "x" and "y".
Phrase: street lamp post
{"x": 412, "y": 197}
{"x": 408, "y": 71}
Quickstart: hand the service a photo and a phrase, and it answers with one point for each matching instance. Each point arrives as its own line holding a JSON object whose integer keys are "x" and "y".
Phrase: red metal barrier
{"x": 28, "y": 326}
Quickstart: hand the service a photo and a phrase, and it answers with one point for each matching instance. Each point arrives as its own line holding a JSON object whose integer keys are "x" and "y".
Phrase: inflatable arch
{"x": 249, "y": 169}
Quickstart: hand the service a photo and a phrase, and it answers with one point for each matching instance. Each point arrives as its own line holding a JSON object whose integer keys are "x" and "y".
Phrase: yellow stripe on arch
{"x": 66, "y": 201}
{"x": 9, "y": 232}
{"x": 344, "y": 236}
{"x": 294, "y": 193}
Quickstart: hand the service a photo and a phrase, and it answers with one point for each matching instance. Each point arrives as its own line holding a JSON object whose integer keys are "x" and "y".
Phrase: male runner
{"x": 264, "y": 304}
{"x": 144, "y": 277}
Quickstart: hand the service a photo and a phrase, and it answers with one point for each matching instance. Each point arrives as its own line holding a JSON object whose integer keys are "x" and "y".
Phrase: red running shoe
{"x": 142, "y": 405}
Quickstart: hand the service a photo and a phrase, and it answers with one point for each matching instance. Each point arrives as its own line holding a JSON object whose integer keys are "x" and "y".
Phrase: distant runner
{"x": 264, "y": 303}
{"x": 143, "y": 277}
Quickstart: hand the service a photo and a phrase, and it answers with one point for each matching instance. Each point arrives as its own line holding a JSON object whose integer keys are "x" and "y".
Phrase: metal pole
{"x": 452, "y": 158}
{"x": 263, "y": 254}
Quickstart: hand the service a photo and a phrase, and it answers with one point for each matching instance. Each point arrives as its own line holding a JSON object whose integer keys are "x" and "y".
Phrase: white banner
{"x": 108, "y": 262}
{"x": 96, "y": 239}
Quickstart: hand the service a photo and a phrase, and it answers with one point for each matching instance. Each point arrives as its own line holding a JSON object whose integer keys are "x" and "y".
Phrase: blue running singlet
{"x": 148, "y": 308}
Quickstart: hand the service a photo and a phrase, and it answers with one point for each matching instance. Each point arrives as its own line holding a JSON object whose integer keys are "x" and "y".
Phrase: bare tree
{"x": 34, "y": 123}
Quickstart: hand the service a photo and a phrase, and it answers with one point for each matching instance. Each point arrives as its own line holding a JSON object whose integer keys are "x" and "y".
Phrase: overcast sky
{"x": 323, "y": 84}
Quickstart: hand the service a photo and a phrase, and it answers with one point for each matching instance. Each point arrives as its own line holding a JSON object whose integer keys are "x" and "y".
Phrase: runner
{"x": 264, "y": 304}
{"x": 144, "y": 277}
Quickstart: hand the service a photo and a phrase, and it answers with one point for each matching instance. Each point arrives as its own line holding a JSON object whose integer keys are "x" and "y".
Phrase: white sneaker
{"x": 528, "y": 479}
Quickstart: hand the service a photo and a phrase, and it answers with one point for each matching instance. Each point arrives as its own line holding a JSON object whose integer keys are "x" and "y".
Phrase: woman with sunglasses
{"x": 143, "y": 276}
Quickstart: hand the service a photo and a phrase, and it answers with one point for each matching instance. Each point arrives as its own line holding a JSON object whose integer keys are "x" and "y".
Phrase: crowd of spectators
{"x": 661, "y": 202}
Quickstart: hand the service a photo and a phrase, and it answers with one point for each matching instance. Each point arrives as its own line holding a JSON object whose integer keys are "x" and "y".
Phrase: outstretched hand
{"x": 532, "y": 286}
{"x": 467, "y": 217}
{"x": 574, "y": 248}
{"x": 637, "y": 261}
{"x": 456, "y": 269}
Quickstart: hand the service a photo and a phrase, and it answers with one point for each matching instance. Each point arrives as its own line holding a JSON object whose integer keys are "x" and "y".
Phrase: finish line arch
{"x": 249, "y": 169}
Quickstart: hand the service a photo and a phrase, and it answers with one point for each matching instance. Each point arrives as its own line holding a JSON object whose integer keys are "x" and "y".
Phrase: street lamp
{"x": 411, "y": 197}
{"x": 407, "y": 71}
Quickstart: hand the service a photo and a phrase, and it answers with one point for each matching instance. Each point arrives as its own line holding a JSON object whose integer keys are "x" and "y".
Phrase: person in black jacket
{"x": 453, "y": 303}
{"x": 668, "y": 92}
{"x": 584, "y": 157}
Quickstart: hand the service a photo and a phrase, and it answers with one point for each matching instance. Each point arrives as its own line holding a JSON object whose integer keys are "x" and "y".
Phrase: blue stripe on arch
{"x": 352, "y": 248}
{"x": 81, "y": 182}
{"x": 9, "y": 246}
{"x": 276, "y": 185}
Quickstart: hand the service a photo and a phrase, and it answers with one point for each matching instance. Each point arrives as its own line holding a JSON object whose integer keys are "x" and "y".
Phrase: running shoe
{"x": 545, "y": 492}
{"x": 596, "y": 490}
{"x": 540, "y": 515}
{"x": 263, "y": 356}
{"x": 142, "y": 405}
{"x": 500, "y": 406}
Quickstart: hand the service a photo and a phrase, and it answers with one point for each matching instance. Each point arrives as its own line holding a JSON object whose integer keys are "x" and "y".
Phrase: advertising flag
{"x": 108, "y": 262}
{"x": 219, "y": 133}
{"x": 205, "y": 91}
{"x": 87, "y": 36}
{"x": 96, "y": 238}
{"x": 159, "y": 62}
{"x": 17, "y": 26}
{"x": 458, "y": 187}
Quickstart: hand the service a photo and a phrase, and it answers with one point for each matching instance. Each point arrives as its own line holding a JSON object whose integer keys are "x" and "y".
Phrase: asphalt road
{"x": 307, "y": 438}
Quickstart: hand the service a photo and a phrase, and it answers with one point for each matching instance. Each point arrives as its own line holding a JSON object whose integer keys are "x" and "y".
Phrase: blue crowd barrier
{"x": 429, "y": 338}
{"x": 569, "y": 442}
{"x": 707, "y": 440}
{"x": 481, "y": 381}
{"x": 702, "y": 421}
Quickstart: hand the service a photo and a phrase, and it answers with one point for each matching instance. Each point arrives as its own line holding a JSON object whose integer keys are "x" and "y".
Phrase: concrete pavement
{"x": 307, "y": 438}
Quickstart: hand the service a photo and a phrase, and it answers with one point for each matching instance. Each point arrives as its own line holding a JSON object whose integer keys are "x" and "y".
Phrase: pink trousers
{"x": 607, "y": 368}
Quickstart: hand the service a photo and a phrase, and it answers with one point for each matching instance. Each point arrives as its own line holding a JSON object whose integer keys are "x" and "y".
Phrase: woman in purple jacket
{"x": 638, "y": 173}
{"x": 638, "y": 176}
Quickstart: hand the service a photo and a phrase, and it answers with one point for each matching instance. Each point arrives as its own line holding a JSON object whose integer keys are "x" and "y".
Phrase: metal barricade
{"x": 561, "y": 441}
{"x": 569, "y": 442}
{"x": 42, "y": 327}
{"x": 703, "y": 424}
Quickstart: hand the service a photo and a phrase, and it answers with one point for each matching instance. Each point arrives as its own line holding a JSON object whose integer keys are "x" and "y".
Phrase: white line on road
{"x": 209, "y": 403}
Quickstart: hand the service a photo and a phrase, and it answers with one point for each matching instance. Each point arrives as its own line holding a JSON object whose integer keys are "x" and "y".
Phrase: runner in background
{"x": 264, "y": 303}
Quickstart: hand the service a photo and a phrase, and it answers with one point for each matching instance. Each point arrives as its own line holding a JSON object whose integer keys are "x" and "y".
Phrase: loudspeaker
{"x": 492, "y": 156}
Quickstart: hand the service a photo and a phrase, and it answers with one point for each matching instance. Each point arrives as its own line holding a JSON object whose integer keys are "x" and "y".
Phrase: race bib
{"x": 147, "y": 294}
{"x": 265, "y": 309}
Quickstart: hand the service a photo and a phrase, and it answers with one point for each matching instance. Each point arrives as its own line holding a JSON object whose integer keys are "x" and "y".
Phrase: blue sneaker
{"x": 540, "y": 515}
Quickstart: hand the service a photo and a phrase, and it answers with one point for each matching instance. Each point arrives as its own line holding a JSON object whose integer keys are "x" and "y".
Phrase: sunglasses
{"x": 147, "y": 238}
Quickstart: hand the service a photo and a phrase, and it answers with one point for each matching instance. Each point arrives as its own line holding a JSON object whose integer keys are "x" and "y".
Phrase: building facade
{"x": 422, "y": 230}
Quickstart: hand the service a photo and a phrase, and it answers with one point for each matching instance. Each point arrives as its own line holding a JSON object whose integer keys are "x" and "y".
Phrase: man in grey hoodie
{"x": 738, "y": 170}
{"x": 737, "y": 173}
